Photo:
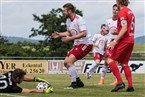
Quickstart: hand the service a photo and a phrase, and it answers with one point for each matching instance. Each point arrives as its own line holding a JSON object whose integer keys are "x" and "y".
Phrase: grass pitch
{"x": 91, "y": 89}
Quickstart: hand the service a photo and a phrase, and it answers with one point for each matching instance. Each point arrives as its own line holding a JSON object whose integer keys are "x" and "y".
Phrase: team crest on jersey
{"x": 113, "y": 30}
{"x": 73, "y": 32}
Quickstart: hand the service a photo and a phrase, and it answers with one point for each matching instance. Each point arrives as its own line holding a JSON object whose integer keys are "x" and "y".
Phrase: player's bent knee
{"x": 123, "y": 65}
{"x": 109, "y": 60}
{"x": 67, "y": 64}
{"x": 105, "y": 63}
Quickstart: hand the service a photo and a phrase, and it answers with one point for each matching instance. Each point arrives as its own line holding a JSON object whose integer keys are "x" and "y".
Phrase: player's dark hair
{"x": 18, "y": 73}
{"x": 124, "y": 2}
{"x": 115, "y": 5}
{"x": 69, "y": 6}
{"x": 103, "y": 25}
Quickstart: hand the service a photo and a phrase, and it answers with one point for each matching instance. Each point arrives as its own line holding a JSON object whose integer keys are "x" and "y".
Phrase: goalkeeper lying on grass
{"x": 9, "y": 80}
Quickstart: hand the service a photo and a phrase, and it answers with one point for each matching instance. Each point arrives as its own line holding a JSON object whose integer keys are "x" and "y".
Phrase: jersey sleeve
{"x": 123, "y": 18}
{"x": 16, "y": 89}
{"x": 82, "y": 24}
{"x": 95, "y": 37}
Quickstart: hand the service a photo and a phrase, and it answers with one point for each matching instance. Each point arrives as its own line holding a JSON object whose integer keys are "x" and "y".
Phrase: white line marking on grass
{"x": 10, "y": 95}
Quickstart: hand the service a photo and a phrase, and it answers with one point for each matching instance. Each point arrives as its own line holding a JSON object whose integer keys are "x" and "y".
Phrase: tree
{"x": 53, "y": 21}
{"x": 3, "y": 40}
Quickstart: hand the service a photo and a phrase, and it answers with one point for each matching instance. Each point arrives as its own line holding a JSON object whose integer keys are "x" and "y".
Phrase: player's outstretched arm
{"x": 78, "y": 36}
{"x": 46, "y": 91}
{"x": 28, "y": 78}
{"x": 60, "y": 34}
{"x": 36, "y": 79}
{"x": 31, "y": 91}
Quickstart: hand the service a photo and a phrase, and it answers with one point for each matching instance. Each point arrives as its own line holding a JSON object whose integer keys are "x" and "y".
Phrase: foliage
{"x": 53, "y": 21}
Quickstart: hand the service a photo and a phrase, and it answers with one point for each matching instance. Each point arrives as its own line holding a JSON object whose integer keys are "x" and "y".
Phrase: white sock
{"x": 93, "y": 67}
{"x": 104, "y": 71}
{"x": 120, "y": 67}
{"x": 73, "y": 73}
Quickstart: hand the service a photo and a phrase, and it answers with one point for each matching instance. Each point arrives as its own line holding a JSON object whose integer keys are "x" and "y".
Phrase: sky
{"x": 16, "y": 15}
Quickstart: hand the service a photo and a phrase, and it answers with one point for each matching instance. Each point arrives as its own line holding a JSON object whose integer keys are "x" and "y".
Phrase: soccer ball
{"x": 42, "y": 86}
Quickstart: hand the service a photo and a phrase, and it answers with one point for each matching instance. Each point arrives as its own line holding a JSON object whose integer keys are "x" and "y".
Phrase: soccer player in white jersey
{"x": 77, "y": 31}
{"x": 99, "y": 43}
{"x": 112, "y": 27}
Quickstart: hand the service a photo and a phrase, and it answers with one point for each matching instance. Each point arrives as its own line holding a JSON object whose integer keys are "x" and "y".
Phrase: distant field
{"x": 91, "y": 89}
{"x": 139, "y": 47}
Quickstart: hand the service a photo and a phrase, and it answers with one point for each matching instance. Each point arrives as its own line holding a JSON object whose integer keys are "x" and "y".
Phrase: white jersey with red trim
{"x": 77, "y": 26}
{"x": 112, "y": 27}
{"x": 100, "y": 41}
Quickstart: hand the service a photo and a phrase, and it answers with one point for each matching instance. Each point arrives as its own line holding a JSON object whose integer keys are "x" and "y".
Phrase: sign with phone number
{"x": 30, "y": 66}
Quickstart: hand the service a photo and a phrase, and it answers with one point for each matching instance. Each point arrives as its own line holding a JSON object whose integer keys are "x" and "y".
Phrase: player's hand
{"x": 55, "y": 35}
{"x": 66, "y": 39}
{"x": 114, "y": 33}
{"x": 37, "y": 79}
{"x": 48, "y": 90}
{"x": 96, "y": 46}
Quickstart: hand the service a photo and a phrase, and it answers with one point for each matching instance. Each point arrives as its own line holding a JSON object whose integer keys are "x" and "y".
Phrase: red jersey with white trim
{"x": 77, "y": 26}
{"x": 126, "y": 16}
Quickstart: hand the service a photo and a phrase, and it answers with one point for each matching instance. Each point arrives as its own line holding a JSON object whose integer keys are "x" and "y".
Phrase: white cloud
{"x": 18, "y": 20}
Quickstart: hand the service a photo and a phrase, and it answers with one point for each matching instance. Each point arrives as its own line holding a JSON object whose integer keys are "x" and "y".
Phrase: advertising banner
{"x": 57, "y": 66}
{"x": 30, "y": 66}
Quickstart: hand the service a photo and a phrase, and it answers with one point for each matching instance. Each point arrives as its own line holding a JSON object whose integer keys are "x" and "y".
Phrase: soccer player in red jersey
{"x": 121, "y": 47}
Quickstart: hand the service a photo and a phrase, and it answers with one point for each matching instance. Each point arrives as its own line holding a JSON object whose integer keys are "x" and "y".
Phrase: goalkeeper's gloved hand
{"x": 48, "y": 90}
{"x": 37, "y": 79}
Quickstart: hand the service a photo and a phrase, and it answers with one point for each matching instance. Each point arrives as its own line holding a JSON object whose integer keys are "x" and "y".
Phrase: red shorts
{"x": 80, "y": 51}
{"x": 107, "y": 51}
{"x": 121, "y": 52}
{"x": 97, "y": 56}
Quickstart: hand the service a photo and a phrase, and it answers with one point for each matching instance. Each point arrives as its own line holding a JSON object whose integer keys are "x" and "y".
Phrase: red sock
{"x": 115, "y": 70}
{"x": 128, "y": 75}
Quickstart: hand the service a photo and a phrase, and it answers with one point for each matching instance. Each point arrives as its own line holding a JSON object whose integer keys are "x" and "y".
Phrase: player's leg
{"x": 105, "y": 67}
{"x": 84, "y": 49}
{"x": 123, "y": 54}
{"x": 128, "y": 76}
{"x": 115, "y": 81}
{"x": 103, "y": 73}
{"x": 113, "y": 66}
{"x": 92, "y": 69}
{"x": 126, "y": 68}
{"x": 69, "y": 64}
{"x": 78, "y": 52}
